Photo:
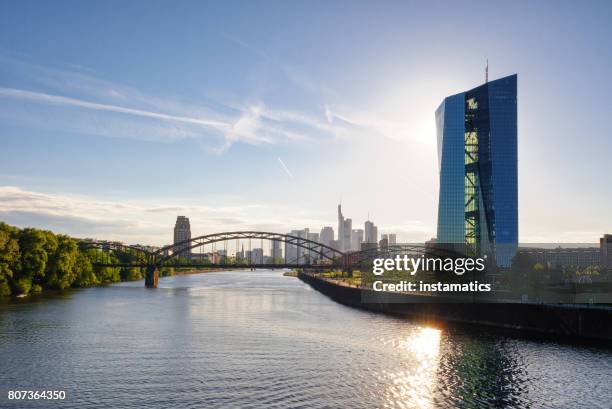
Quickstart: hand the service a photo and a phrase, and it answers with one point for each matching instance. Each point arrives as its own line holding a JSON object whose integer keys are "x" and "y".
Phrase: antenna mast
{"x": 487, "y": 72}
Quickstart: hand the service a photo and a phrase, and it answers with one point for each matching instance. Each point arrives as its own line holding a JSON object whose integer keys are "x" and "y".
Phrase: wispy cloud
{"x": 285, "y": 168}
{"x": 74, "y": 102}
{"x": 119, "y": 111}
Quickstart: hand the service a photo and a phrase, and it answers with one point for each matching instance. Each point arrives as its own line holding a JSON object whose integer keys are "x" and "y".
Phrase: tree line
{"x": 32, "y": 260}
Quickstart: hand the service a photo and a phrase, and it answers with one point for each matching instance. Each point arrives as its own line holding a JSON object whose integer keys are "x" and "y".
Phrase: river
{"x": 262, "y": 340}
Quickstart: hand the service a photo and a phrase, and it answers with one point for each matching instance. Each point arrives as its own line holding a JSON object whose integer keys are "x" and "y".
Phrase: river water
{"x": 262, "y": 340}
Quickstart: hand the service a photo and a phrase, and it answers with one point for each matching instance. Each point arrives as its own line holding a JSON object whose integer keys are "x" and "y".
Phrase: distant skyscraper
{"x": 347, "y": 231}
{"x": 314, "y": 237}
{"x": 384, "y": 242}
{"x": 477, "y": 155}
{"x": 356, "y": 239}
{"x": 182, "y": 232}
{"x": 257, "y": 256}
{"x": 291, "y": 250}
{"x": 389, "y": 238}
{"x": 327, "y": 235}
{"x": 340, "y": 228}
{"x": 327, "y": 238}
{"x": 605, "y": 246}
{"x": 298, "y": 254}
{"x": 371, "y": 232}
{"x": 277, "y": 252}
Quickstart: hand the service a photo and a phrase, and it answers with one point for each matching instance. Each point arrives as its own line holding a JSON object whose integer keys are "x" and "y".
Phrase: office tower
{"x": 277, "y": 252}
{"x": 313, "y": 237}
{"x": 477, "y": 159}
{"x": 291, "y": 250}
{"x": 347, "y": 230}
{"x": 308, "y": 255}
{"x": 327, "y": 238}
{"x": 240, "y": 255}
{"x": 327, "y": 235}
{"x": 340, "y": 229}
{"x": 182, "y": 232}
{"x": 257, "y": 256}
{"x": 335, "y": 244}
{"x": 371, "y": 232}
{"x": 605, "y": 246}
{"x": 384, "y": 242}
{"x": 356, "y": 239}
{"x": 298, "y": 254}
{"x": 389, "y": 238}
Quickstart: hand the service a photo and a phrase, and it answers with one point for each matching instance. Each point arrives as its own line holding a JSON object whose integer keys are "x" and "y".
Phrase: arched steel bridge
{"x": 310, "y": 254}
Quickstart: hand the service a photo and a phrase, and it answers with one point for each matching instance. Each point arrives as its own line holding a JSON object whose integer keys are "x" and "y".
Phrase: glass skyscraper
{"x": 477, "y": 157}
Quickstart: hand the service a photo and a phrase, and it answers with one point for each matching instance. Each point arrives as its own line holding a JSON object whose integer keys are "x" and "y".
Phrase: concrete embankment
{"x": 580, "y": 322}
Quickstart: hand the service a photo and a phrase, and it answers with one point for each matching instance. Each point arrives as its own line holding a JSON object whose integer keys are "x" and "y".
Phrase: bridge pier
{"x": 152, "y": 277}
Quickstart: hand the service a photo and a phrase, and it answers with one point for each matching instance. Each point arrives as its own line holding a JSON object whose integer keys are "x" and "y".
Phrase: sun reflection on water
{"x": 413, "y": 387}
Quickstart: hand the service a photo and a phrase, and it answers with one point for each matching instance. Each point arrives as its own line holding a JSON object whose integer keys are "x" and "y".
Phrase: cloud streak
{"x": 79, "y": 103}
{"x": 285, "y": 168}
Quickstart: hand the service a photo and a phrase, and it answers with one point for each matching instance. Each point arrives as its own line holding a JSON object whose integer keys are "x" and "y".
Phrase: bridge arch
{"x": 324, "y": 252}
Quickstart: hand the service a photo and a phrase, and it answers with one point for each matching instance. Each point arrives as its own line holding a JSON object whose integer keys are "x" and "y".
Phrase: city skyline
{"x": 221, "y": 118}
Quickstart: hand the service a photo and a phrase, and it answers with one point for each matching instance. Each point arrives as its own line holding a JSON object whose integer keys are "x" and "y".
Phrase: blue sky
{"x": 117, "y": 116}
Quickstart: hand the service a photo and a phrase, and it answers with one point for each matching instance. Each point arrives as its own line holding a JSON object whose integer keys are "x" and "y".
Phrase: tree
{"x": 35, "y": 246}
{"x": 9, "y": 257}
{"x": 85, "y": 276}
{"x": 61, "y": 271}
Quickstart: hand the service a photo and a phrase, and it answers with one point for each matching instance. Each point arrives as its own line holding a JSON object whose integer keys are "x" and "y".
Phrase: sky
{"x": 115, "y": 117}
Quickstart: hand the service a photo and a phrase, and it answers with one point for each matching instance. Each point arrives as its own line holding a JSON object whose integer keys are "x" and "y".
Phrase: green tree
{"x": 85, "y": 276}
{"x": 35, "y": 247}
{"x": 61, "y": 269}
{"x": 9, "y": 257}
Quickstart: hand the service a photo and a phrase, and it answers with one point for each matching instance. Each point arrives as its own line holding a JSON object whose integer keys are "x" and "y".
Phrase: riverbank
{"x": 564, "y": 321}
{"x": 201, "y": 271}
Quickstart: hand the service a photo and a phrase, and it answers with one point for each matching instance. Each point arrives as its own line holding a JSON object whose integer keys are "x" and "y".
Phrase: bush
{"x": 5, "y": 289}
{"x": 22, "y": 286}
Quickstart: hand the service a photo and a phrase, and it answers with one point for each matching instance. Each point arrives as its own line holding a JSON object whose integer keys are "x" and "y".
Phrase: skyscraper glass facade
{"x": 477, "y": 157}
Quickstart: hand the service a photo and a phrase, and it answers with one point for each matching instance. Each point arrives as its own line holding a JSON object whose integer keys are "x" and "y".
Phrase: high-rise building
{"x": 257, "y": 256}
{"x": 327, "y": 235}
{"x": 389, "y": 238}
{"x": 277, "y": 252}
{"x": 340, "y": 229}
{"x": 291, "y": 250}
{"x": 182, "y": 232}
{"x": 371, "y": 232}
{"x": 477, "y": 158}
{"x": 347, "y": 231}
{"x": 298, "y": 254}
{"x": 356, "y": 239}
{"x": 605, "y": 246}
{"x": 313, "y": 237}
{"x": 327, "y": 238}
{"x": 384, "y": 242}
